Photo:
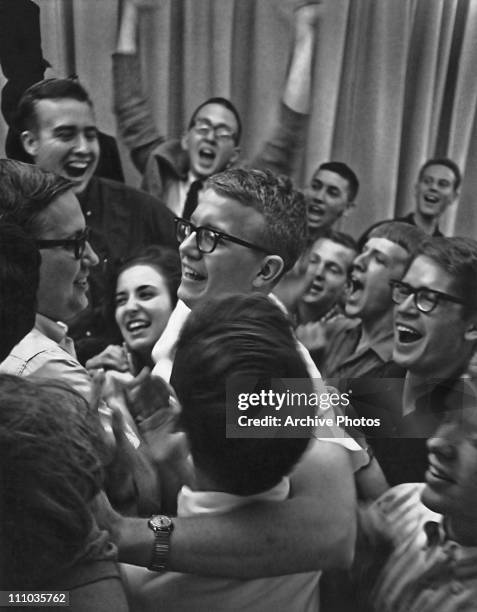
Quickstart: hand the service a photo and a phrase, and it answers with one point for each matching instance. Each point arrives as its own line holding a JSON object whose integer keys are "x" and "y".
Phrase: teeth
{"x": 192, "y": 274}
{"x": 407, "y": 334}
{"x": 135, "y": 325}
{"x": 431, "y": 198}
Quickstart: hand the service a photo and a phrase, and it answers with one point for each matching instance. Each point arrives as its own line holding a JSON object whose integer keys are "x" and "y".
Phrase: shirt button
{"x": 88, "y": 213}
{"x": 88, "y": 334}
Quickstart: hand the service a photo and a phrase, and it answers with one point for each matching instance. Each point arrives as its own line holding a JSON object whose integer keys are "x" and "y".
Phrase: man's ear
{"x": 270, "y": 271}
{"x": 234, "y": 157}
{"x": 185, "y": 141}
{"x": 349, "y": 208}
{"x": 30, "y": 142}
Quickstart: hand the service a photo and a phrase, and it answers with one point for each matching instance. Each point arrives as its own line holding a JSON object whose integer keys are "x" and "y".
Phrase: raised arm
{"x": 135, "y": 121}
{"x": 313, "y": 529}
{"x": 281, "y": 149}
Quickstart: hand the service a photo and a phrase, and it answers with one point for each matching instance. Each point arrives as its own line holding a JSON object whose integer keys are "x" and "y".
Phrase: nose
{"x": 360, "y": 262}
{"x": 82, "y": 144}
{"x": 89, "y": 256}
{"x": 442, "y": 444}
{"x": 408, "y": 306}
{"x": 131, "y": 305}
{"x": 189, "y": 247}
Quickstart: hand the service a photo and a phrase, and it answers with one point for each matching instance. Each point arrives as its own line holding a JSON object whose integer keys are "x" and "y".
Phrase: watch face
{"x": 160, "y": 522}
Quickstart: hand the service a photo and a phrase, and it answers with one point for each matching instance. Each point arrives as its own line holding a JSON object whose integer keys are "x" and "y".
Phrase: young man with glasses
{"x": 44, "y": 205}
{"x": 174, "y": 169}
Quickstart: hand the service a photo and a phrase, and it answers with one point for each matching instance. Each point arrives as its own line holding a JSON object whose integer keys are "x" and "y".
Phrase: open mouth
{"x": 76, "y": 170}
{"x": 137, "y": 325}
{"x": 315, "y": 210}
{"x": 190, "y": 274}
{"x": 435, "y": 473}
{"x": 406, "y": 334}
{"x": 207, "y": 154}
{"x": 431, "y": 198}
{"x": 82, "y": 283}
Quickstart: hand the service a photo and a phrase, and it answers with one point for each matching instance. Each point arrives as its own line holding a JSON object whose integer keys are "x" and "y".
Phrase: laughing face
{"x": 65, "y": 140}
{"x": 332, "y": 262}
{"x": 231, "y": 267}
{"x": 435, "y": 191}
{"x": 432, "y": 344}
{"x": 62, "y": 292}
{"x": 380, "y": 261}
{"x": 214, "y": 149}
{"x": 451, "y": 479}
{"x": 143, "y": 306}
{"x": 327, "y": 198}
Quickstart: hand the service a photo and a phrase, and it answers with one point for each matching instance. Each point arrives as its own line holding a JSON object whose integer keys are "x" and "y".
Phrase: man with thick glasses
{"x": 174, "y": 169}
{"x": 44, "y": 205}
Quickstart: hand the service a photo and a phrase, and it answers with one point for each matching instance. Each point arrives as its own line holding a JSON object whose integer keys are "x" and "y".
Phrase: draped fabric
{"x": 394, "y": 82}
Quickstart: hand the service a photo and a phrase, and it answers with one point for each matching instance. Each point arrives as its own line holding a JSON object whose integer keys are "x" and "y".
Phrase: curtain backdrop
{"x": 394, "y": 82}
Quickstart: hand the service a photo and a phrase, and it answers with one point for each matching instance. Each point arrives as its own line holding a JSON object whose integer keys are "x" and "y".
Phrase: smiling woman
{"x": 144, "y": 296}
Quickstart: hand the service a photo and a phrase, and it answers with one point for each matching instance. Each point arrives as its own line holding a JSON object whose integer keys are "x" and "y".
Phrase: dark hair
{"x": 339, "y": 238}
{"x": 48, "y": 89}
{"x": 164, "y": 259}
{"x": 448, "y": 163}
{"x": 26, "y": 191}
{"x": 225, "y": 340}
{"x": 274, "y": 196}
{"x": 19, "y": 277}
{"x": 49, "y": 472}
{"x": 226, "y": 104}
{"x": 407, "y": 236}
{"x": 345, "y": 172}
{"x": 458, "y": 257}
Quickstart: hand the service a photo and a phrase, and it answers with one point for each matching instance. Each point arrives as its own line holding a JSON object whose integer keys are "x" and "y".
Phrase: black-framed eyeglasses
{"x": 77, "y": 244}
{"x": 222, "y": 132}
{"x": 207, "y": 239}
{"x": 425, "y": 300}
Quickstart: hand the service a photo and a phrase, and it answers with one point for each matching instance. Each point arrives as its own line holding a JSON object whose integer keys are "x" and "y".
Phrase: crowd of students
{"x": 131, "y": 319}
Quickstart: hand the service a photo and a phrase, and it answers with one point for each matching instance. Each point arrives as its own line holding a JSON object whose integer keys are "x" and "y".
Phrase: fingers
{"x": 112, "y": 358}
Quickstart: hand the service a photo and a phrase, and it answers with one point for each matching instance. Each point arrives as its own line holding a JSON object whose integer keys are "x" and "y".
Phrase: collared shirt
{"x": 343, "y": 359}
{"x": 48, "y": 352}
{"x": 426, "y": 571}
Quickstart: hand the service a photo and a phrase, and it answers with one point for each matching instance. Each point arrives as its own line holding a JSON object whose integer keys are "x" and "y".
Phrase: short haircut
{"x": 283, "y": 208}
{"x": 407, "y": 236}
{"x": 50, "y": 470}
{"x": 226, "y": 104}
{"x": 339, "y": 238}
{"x": 26, "y": 191}
{"x": 48, "y": 89}
{"x": 458, "y": 257}
{"x": 19, "y": 277}
{"x": 224, "y": 340}
{"x": 443, "y": 161}
{"x": 345, "y": 172}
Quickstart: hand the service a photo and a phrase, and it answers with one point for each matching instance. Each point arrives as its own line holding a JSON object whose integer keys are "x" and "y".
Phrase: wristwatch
{"x": 162, "y": 526}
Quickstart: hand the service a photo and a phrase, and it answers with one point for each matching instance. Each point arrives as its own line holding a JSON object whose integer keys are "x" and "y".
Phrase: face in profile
{"x": 65, "y": 140}
{"x": 62, "y": 292}
{"x": 211, "y": 141}
{"x": 380, "y": 261}
{"x": 143, "y": 305}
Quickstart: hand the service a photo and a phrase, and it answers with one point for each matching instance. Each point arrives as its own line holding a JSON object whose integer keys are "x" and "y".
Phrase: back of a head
{"x": 25, "y": 192}
{"x": 345, "y": 172}
{"x": 458, "y": 257}
{"x": 19, "y": 277}
{"x": 407, "y": 236}
{"x": 283, "y": 208}
{"x": 50, "y": 471}
{"x": 224, "y": 342}
{"x": 48, "y": 89}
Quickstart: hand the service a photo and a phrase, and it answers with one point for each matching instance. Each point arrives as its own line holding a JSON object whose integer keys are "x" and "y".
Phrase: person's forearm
{"x": 126, "y": 43}
{"x": 298, "y": 84}
{"x": 314, "y": 529}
